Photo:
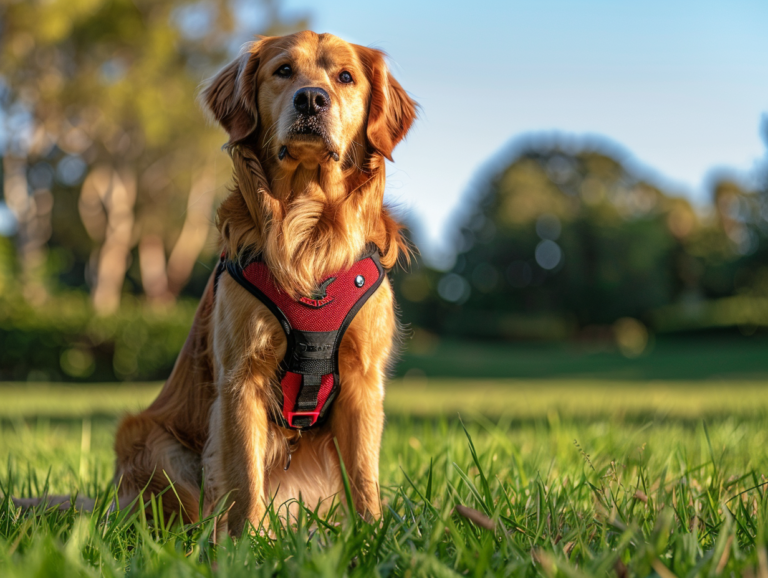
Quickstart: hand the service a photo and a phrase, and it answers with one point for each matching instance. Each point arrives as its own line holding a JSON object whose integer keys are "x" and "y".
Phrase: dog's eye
{"x": 284, "y": 71}
{"x": 345, "y": 77}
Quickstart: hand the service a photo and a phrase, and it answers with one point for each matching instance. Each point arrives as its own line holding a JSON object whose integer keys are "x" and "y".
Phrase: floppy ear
{"x": 391, "y": 111}
{"x": 231, "y": 95}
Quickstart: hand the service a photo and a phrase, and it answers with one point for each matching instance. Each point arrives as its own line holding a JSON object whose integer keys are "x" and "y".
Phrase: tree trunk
{"x": 153, "y": 272}
{"x": 197, "y": 226}
{"x": 106, "y": 206}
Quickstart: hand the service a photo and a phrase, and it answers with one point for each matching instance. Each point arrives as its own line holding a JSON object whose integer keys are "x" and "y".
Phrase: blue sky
{"x": 680, "y": 85}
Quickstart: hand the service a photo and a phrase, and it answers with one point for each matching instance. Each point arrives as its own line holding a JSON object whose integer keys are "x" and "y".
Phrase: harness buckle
{"x": 307, "y": 418}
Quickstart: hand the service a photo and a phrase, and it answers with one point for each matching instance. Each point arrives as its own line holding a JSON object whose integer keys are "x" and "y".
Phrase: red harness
{"x": 314, "y": 326}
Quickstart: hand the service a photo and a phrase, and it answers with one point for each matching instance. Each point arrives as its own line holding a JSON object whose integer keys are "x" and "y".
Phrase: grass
{"x": 568, "y": 478}
{"x": 714, "y": 355}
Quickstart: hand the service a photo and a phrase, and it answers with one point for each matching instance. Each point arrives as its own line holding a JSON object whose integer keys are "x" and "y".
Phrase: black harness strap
{"x": 314, "y": 327}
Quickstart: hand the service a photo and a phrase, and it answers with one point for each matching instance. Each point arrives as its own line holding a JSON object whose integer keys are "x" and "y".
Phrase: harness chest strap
{"x": 314, "y": 327}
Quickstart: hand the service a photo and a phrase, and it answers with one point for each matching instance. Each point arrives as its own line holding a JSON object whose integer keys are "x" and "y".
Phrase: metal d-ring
{"x": 291, "y": 448}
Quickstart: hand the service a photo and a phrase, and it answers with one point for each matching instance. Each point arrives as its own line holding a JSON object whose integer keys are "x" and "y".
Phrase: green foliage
{"x": 93, "y": 88}
{"x": 565, "y": 496}
{"x": 564, "y": 242}
{"x": 63, "y": 339}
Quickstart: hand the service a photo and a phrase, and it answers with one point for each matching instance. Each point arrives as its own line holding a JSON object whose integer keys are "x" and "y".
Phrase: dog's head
{"x": 311, "y": 99}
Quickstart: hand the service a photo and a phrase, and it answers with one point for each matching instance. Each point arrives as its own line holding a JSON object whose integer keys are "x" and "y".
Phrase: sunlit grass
{"x": 419, "y": 396}
{"x": 577, "y": 480}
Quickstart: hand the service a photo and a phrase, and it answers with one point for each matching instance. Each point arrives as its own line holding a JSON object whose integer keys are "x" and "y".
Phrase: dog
{"x": 311, "y": 119}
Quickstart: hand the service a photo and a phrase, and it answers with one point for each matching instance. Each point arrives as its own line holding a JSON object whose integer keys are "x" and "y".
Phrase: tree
{"x": 559, "y": 239}
{"x": 110, "y": 86}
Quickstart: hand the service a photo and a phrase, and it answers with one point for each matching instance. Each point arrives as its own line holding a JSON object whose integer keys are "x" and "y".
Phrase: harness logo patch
{"x": 319, "y": 298}
{"x": 313, "y": 348}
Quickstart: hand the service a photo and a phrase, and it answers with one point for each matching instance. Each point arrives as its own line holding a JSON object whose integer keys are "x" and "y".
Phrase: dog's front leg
{"x": 247, "y": 341}
{"x": 244, "y": 438}
{"x": 357, "y": 423}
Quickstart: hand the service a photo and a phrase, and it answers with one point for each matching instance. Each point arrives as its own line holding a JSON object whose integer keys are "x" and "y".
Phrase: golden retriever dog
{"x": 310, "y": 119}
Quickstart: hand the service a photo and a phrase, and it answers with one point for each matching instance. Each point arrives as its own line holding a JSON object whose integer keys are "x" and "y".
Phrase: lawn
{"x": 701, "y": 356}
{"x": 571, "y": 477}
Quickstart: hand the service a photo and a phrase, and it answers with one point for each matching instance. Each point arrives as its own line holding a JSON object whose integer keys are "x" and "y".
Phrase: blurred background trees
{"x": 562, "y": 240}
{"x": 109, "y": 172}
{"x": 105, "y": 154}
{"x": 110, "y": 176}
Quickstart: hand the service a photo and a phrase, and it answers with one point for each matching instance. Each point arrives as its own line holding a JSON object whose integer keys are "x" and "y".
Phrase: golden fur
{"x": 309, "y": 216}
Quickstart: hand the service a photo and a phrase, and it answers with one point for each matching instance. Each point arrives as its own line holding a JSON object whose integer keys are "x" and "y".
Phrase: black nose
{"x": 311, "y": 100}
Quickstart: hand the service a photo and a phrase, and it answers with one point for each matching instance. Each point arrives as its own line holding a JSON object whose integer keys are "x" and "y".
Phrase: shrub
{"x": 63, "y": 339}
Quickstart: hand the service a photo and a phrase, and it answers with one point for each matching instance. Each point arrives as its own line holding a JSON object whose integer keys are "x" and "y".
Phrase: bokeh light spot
{"x": 77, "y": 362}
{"x": 548, "y": 254}
{"x": 453, "y": 288}
{"x": 70, "y": 170}
{"x": 631, "y": 336}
